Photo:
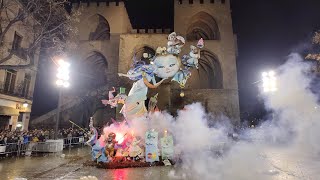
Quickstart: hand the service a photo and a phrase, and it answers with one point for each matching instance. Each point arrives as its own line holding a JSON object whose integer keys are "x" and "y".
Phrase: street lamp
{"x": 62, "y": 82}
{"x": 269, "y": 81}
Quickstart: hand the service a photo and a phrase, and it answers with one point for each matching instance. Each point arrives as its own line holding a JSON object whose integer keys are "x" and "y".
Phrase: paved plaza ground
{"x": 55, "y": 166}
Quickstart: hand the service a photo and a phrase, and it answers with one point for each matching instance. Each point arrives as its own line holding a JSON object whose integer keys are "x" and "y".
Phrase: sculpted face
{"x": 167, "y": 66}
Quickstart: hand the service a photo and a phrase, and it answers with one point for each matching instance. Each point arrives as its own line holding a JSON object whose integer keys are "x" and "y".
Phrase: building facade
{"x": 16, "y": 85}
{"x": 108, "y": 44}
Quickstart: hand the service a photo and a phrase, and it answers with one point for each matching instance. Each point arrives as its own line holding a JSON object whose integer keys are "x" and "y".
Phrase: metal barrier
{"x": 29, "y": 147}
{"x": 12, "y": 148}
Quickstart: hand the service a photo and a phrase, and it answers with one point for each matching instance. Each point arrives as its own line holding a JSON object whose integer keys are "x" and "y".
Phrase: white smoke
{"x": 293, "y": 132}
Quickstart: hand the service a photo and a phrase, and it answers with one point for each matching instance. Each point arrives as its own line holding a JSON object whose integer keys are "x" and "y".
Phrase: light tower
{"x": 62, "y": 82}
{"x": 269, "y": 82}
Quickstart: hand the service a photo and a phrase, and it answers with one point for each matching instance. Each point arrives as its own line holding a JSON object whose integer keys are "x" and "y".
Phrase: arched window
{"x": 90, "y": 73}
{"x": 145, "y": 50}
{"x": 203, "y": 25}
{"x": 209, "y": 74}
{"x": 100, "y": 29}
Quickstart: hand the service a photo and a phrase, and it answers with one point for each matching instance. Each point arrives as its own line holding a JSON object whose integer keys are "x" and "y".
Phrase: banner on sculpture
{"x": 167, "y": 148}
{"x": 152, "y": 146}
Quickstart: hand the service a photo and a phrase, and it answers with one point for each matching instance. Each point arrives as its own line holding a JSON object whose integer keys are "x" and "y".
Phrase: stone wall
{"x": 130, "y": 42}
{"x": 116, "y": 16}
{"x": 224, "y": 48}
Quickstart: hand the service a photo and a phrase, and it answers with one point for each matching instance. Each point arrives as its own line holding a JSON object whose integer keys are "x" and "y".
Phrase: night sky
{"x": 267, "y": 30}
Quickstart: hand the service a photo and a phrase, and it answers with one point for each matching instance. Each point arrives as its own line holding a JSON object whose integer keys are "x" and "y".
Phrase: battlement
{"x": 95, "y": 2}
{"x": 201, "y": 1}
{"x": 151, "y": 31}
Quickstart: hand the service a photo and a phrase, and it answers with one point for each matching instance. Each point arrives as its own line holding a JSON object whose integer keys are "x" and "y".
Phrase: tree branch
{"x": 47, "y": 24}
{"x": 6, "y": 58}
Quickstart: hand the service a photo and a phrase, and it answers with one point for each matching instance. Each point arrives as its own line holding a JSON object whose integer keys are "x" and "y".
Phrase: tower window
{"x": 16, "y": 44}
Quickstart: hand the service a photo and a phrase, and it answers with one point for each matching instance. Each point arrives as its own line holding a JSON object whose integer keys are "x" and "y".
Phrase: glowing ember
{"x": 119, "y": 137}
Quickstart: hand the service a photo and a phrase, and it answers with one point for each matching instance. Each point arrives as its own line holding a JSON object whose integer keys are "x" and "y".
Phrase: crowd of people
{"x": 39, "y": 135}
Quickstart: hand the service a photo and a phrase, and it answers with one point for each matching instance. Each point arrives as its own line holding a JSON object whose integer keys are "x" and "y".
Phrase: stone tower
{"x": 100, "y": 27}
{"x": 108, "y": 44}
{"x": 215, "y": 82}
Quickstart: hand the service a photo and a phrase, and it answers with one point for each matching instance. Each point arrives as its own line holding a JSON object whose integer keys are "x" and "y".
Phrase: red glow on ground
{"x": 120, "y": 174}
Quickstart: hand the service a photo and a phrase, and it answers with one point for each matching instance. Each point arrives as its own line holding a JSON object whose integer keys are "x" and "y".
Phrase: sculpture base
{"x": 119, "y": 164}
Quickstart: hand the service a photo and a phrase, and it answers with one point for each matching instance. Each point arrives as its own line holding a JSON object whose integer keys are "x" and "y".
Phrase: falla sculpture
{"x": 116, "y": 140}
{"x": 165, "y": 64}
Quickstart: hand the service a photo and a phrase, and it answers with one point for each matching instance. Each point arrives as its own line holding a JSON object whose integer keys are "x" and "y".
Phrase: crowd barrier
{"x": 48, "y": 146}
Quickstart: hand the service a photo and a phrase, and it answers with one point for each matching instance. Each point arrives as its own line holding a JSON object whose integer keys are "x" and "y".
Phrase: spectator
{"x": 35, "y": 139}
{"x": 39, "y": 135}
{"x": 25, "y": 138}
{"x": 51, "y": 135}
{"x": 69, "y": 138}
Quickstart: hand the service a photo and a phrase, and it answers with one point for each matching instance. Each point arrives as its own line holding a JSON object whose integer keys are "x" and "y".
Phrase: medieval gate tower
{"x": 108, "y": 43}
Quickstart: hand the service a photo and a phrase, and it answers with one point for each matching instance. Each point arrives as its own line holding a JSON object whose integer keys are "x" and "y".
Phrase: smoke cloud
{"x": 270, "y": 150}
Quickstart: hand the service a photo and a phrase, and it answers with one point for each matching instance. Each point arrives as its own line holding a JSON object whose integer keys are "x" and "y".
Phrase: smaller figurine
{"x": 175, "y": 43}
{"x": 110, "y": 145}
{"x": 192, "y": 59}
{"x": 194, "y": 56}
{"x": 135, "y": 152}
{"x": 93, "y": 134}
{"x": 153, "y": 103}
{"x": 161, "y": 51}
{"x": 114, "y": 101}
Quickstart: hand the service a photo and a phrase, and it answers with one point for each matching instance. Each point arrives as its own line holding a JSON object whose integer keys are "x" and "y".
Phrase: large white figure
{"x": 165, "y": 64}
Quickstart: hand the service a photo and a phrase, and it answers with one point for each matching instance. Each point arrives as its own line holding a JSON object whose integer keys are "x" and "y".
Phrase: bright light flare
{"x": 66, "y": 84}
{"x": 119, "y": 137}
{"x": 63, "y": 74}
{"x": 63, "y": 63}
{"x": 269, "y": 81}
{"x": 59, "y": 82}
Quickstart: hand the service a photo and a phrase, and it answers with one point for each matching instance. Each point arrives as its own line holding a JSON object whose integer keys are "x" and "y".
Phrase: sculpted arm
{"x": 130, "y": 75}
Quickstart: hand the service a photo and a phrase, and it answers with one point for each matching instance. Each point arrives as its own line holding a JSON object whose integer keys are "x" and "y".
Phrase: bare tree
{"x": 315, "y": 56}
{"x": 47, "y": 24}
